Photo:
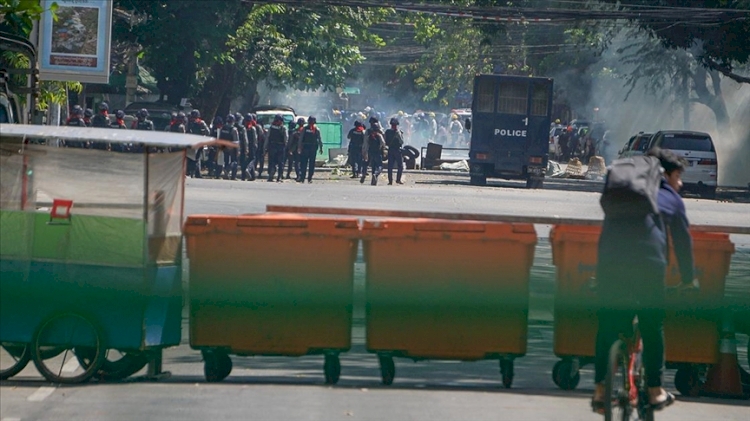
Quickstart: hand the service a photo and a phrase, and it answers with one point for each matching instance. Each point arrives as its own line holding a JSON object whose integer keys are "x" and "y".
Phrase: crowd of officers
{"x": 288, "y": 148}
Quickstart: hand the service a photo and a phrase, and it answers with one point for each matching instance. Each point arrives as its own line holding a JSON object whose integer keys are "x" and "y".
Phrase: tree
{"x": 231, "y": 46}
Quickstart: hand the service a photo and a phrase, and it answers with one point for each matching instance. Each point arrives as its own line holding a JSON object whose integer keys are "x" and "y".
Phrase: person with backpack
{"x": 310, "y": 142}
{"x": 643, "y": 214}
{"x": 394, "y": 140}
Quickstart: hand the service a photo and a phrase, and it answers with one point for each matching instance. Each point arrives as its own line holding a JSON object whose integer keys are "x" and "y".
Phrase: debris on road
{"x": 461, "y": 166}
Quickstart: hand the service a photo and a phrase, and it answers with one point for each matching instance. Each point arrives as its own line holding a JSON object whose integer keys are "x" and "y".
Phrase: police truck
{"x": 511, "y": 118}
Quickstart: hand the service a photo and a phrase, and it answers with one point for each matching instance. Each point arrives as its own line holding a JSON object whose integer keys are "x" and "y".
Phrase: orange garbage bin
{"x": 447, "y": 290}
{"x": 692, "y": 322}
{"x": 270, "y": 285}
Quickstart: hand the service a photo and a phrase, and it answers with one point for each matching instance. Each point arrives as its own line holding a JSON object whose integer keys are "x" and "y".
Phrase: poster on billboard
{"x": 75, "y": 46}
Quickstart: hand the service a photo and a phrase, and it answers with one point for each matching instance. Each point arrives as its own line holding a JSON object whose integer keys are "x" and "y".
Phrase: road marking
{"x": 41, "y": 394}
{"x": 10, "y": 419}
{"x": 71, "y": 366}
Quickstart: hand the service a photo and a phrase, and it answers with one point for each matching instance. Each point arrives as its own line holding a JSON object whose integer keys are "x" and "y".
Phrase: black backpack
{"x": 631, "y": 188}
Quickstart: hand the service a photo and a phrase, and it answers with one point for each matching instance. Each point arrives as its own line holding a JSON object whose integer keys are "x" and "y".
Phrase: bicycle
{"x": 626, "y": 394}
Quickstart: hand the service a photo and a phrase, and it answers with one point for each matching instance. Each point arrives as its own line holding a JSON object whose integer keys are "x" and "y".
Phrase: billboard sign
{"x": 75, "y": 46}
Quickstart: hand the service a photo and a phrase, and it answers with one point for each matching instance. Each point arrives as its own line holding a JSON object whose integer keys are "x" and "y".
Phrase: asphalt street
{"x": 281, "y": 388}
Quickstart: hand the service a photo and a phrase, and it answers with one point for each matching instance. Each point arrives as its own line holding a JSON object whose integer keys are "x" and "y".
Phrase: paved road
{"x": 277, "y": 388}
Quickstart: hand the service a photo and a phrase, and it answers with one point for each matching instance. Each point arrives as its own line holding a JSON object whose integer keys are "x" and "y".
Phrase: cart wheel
{"x": 687, "y": 381}
{"x": 54, "y": 345}
{"x": 563, "y": 376}
{"x": 387, "y": 369}
{"x": 332, "y": 368}
{"x": 117, "y": 364}
{"x": 506, "y": 370}
{"x": 217, "y": 365}
{"x": 13, "y": 359}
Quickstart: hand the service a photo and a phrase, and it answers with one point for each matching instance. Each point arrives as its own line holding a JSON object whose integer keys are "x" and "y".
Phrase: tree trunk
{"x": 211, "y": 99}
{"x": 713, "y": 100}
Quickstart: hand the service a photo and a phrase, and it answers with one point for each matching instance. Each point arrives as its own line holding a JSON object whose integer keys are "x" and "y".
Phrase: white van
{"x": 702, "y": 172}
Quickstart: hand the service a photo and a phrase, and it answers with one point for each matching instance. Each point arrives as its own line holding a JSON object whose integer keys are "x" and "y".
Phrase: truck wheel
{"x": 478, "y": 180}
{"x": 217, "y": 365}
{"x": 563, "y": 376}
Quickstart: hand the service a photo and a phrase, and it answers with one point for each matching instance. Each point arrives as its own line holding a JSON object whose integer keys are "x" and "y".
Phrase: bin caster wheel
{"x": 14, "y": 358}
{"x": 332, "y": 368}
{"x": 217, "y": 365}
{"x": 563, "y": 376}
{"x": 506, "y": 370}
{"x": 387, "y": 369}
{"x": 687, "y": 381}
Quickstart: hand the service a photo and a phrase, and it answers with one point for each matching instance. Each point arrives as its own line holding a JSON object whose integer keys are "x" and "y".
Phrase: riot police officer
{"x": 356, "y": 138}
{"x": 229, "y": 133}
{"x": 119, "y": 122}
{"x": 178, "y": 125}
{"x": 242, "y": 153}
{"x": 142, "y": 121}
{"x": 276, "y": 146}
{"x": 372, "y": 151}
{"x": 101, "y": 120}
{"x": 216, "y": 153}
{"x": 76, "y": 120}
{"x": 88, "y": 114}
{"x": 310, "y": 142}
{"x": 394, "y": 140}
{"x": 197, "y": 127}
{"x": 248, "y": 171}
{"x": 292, "y": 148}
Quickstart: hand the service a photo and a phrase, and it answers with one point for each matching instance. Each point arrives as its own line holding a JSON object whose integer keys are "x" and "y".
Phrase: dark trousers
{"x": 376, "y": 165}
{"x": 275, "y": 161}
{"x": 230, "y": 162}
{"x": 307, "y": 161}
{"x": 292, "y": 160}
{"x": 395, "y": 159}
{"x": 616, "y": 322}
{"x": 355, "y": 160}
{"x": 243, "y": 164}
{"x": 260, "y": 158}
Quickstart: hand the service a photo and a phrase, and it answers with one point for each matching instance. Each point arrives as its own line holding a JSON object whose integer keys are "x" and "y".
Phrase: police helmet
{"x": 143, "y": 113}
{"x": 394, "y": 121}
{"x": 230, "y": 119}
{"x": 88, "y": 112}
{"x": 301, "y": 121}
{"x": 376, "y": 127}
{"x": 77, "y": 110}
{"x": 195, "y": 114}
{"x": 311, "y": 120}
{"x": 103, "y": 106}
{"x": 181, "y": 115}
{"x": 278, "y": 117}
{"x": 218, "y": 121}
{"x": 373, "y": 120}
{"x": 238, "y": 117}
{"x": 357, "y": 123}
{"x": 248, "y": 118}
{"x": 120, "y": 114}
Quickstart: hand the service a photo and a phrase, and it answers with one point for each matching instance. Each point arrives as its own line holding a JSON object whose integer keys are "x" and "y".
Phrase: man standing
{"x": 198, "y": 127}
{"x": 372, "y": 151}
{"x": 101, "y": 120}
{"x": 394, "y": 140}
{"x": 356, "y": 138}
{"x": 178, "y": 124}
{"x": 276, "y": 146}
{"x": 309, "y": 143}
{"x": 241, "y": 153}
{"x": 88, "y": 114}
{"x": 229, "y": 133}
{"x": 248, "y": 172}
{"x": 76, "y": 120}
{"x": 292, "y": 149}
{"x": 142, "y": 122}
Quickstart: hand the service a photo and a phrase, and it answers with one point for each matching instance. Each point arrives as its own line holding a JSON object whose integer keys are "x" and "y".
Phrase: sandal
{"x": 597, "y": 406}
{"x": 663, "y": 404}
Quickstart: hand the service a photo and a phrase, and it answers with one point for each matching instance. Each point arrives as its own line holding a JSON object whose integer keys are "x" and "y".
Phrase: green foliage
{"x": 19, "y": 16}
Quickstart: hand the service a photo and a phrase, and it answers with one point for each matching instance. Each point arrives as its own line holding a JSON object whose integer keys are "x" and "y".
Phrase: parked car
{"x": 702, "y": 172}
{"x": 159, "y": 112}
{"x": 637, "y": 145}
{"x": 266, "y": 113}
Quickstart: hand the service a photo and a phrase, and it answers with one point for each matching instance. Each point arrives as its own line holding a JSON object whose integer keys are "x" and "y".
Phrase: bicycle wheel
{"x": 13, "y": 359}
{"x": 616, "y": 385}
{"x": 65, "y": 333}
